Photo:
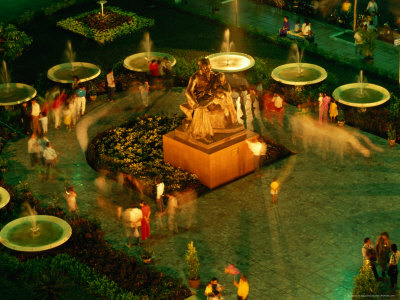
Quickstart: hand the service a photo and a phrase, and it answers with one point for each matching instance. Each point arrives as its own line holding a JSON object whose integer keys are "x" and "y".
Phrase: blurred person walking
{"x": 382, "y": 249}
{"x": 145, "y": 222}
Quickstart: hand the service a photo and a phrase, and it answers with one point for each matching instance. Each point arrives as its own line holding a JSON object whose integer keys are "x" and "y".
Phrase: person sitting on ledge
{"x": 297, "y": 27}
{"x": 285, "y": 27}
{"x": 307, "y": 32}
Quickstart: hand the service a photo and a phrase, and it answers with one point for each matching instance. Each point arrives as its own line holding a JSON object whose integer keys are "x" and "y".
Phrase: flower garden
{"x": 13, "y": 41}
{"x": 105, "y": 28}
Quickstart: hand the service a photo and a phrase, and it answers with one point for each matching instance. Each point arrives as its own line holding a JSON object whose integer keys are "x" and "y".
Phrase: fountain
{"x": 361, "y": 94}
{"x": 102, "y": 2}
{"x": 229, "y": 61}
{"x": 35, "y": 232}
{"x": 139, "y": 62}
{"x": 298, "y": 73}
{"x": 13, "y": 93}
{"x": 64, "y": 73}
{"x": 4, "y": 197}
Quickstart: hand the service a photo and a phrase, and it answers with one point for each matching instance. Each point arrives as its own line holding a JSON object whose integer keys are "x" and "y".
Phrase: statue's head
{"x": 204, "y": 65}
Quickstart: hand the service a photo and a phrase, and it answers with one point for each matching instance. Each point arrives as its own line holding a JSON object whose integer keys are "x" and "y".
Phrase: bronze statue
{"x": 209, "y": 103}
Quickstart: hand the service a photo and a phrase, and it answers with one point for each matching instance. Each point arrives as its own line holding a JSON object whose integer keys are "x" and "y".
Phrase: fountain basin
{"x": 231, "y": 61}
{"x": 140, "y": 63}
{"x": 53, "y": 232}
{"x": 15, "y": 93}
{"x": 64, "y": 73}
{"x": 288, "y": 74}
{"x": 349, "y": 94}
{"x": 4, "y": 197}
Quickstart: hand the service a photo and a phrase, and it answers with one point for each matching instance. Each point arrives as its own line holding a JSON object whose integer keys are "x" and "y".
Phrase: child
{"x": 274, "y": 191}
{"x": 43, "y": 121}
{"x": 297, "y": 27}
{"x": 67, "y": 117}
{"x": 70, "y": 196}
{"x": 333, "y": 112}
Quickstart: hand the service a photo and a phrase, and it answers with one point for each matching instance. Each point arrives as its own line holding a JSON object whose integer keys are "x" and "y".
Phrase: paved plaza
{"x": 308, "y": 246}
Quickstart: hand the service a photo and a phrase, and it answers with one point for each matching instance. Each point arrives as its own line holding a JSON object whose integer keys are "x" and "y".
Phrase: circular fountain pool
{"x": 139, "y": 62}
{"x": 64, "y": 73}
{"x": 231, "y": 62}
{"x": 299, "y": 74}
{"x": 15, "y": 93}
{"x": 18, "y": 235}
{"x": 361, "y": 94}
{"x": 4, "y": 197}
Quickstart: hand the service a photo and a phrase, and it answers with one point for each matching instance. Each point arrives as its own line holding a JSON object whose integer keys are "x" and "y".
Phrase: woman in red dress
{"x": 145, "y": 225}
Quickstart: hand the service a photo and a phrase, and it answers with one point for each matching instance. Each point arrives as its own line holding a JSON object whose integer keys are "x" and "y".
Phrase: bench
{"x": 296, "y": 36}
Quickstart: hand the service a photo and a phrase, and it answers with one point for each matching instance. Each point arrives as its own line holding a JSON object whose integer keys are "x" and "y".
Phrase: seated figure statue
{"x": 209, "y": 104}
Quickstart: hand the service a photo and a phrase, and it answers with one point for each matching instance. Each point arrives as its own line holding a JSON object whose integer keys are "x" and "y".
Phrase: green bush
{"x": 91, "y": 25}
{"x": 365, "y": 283}
{"x": 13, "y": 41}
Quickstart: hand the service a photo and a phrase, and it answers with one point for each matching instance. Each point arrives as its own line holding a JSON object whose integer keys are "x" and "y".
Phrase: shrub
{"x": 365, "y": 283}
{"x": 115, "y": 23}
{"x": 13, "y": 41}
{"x": 192, "y": 262}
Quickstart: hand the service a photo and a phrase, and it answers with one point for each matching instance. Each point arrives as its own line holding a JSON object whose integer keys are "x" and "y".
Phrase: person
{"x": 323, "y": 109}
{"x": 392, "y": 269}
{"x": 145, "y": 222}
{"x": 144, "y": 93}
{"x": 358, "y": 42}
{"x": 260, "y": 91}
{"x": 25, "y": 118}
{"x": 278, "y": 107}
{"x": 167, "y": 72}
{"x": 285, "y": 27}
{"x": 234, "y": 95}
{"x": 67, "y": 117}
{"x": 72, "y": 107}
{"x": 248, "y": 105}
{"x": 382, "y": 250}
{"x": 367, "y": 245}
{"x": 44, "y": 121}
{"x": 307, "y": 32}
{"x": 110, "y": 84}
{"x": 346, "y": 6}
{"x": 35, "y": 112}
{"x": 239, "y": 112}
{"x": 372, "y": 8}
{"x": 216, "y": 287}
{"x": 172, "y": 206}
{"x": 160, "y": 192}
{"x": 274, "y": 191}
{"x": 57, "y": 108}
{"x": 34, "y": 150}
{"x": 259, "y": 150}
{"x": 132, "y": 219}
{"x": 70, "y": 197}
{"x": 243, "y": 287}
{"x": 80, "y": 100}
{"x": 333, "y": 111}
{"x": 208, "y": 292}
{"x": 50, "y": 158}
{"x": 320, "y": 98}
{"x": 76, "y": 81}
{"x": 153, "y": 68}
{"x": 297, "y": 27}
{"x": 371, "y": 260}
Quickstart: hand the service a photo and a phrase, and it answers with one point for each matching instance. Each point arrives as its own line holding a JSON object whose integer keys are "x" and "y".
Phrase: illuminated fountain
{"x": 4, "y": 197}
{"x": 35, "y": 232}
{"x": 361, "y": 94}
{"x": 64, "y": 73}
{"x": 139, "y": 62}
{"x": 13, "y": 93}
{"x": 229, "y": 61}
{"x": 299, "y": 73}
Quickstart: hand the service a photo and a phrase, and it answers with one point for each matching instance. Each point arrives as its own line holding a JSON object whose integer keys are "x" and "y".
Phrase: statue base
{"x": 226, "y": 158}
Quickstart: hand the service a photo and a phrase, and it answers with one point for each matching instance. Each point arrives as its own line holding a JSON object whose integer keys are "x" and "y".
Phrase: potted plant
{"x": 193, "y": 266}
{"x": 92, "y": 92}
{"x": 146, "y": 256}
{"x": 340, "y": 118}
{"x": 391, "y": 135}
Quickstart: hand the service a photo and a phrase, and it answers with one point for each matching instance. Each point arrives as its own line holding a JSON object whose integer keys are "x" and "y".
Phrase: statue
{"x": 209, "y": 104}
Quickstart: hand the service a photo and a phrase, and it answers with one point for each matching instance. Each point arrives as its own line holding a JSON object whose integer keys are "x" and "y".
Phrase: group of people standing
{"x": 387, "y": 255}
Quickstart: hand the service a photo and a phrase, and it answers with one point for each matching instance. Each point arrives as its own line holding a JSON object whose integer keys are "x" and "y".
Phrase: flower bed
{"x": 115, "y": 23}
{"x": 12, "y": 41}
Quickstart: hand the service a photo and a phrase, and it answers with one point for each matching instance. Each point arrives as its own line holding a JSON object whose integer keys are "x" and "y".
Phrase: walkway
{"x": 269, "y": 19}
{"x": 306, "y": 247}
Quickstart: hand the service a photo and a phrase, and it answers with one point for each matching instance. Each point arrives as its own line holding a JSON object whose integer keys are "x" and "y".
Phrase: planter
{"x": 392, "y": 143}
{"x": 146, "y": 259}
{"x": 194, "y": 283}
{"x": 93, "y": 97}
{"x": 341, "y": 123}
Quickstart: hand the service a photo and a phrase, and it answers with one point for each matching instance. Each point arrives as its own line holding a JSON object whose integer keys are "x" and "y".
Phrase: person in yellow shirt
{"x": 243, "y": 287}
{"x": 274, "y": 191}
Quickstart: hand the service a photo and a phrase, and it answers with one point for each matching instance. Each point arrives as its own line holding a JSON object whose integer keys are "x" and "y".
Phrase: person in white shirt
{"x": 367, "y": 246}
{"x": 44, "y": 121}
{"x": 259, "y": 150}
{"x": 131, "y": 219}
{"x": 278, "y": 108}
{"x": 372, "y": 8}
{"x": 160, "y": 192}
{"x": 50, "y": 158}
{"x": 248, "y": 105}
{"x": 172, "y": 207}
{"x": 306, "y": 31}
{"x": 70, "y": 197}
{"x": 35, "y": 117}
{"x": 34, "y": 150}
{"x": 110, "y": 85}
{"x": 239, "y": 111}
{"x": 393, "y": 270}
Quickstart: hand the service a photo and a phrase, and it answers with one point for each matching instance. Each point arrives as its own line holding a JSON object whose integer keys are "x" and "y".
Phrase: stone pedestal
{"x": 215, "y": 163}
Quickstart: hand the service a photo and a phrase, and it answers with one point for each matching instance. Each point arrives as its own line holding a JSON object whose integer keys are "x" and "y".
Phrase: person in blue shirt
{"x": 285, "y": 27}
{"x": 80, "y": 100}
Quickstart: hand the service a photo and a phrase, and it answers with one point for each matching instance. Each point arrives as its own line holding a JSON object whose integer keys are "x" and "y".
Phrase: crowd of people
{"x": 214, "y": 291}
{"x": 386, "y": 254}
{"x": 304, "y": 29}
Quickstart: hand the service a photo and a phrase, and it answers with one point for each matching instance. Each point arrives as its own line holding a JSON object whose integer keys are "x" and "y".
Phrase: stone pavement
{"x": 269, "y": 19}
{"x": 308, "y": 246}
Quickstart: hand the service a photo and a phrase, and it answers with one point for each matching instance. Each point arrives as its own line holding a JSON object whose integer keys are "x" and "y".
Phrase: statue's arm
{"x": 190, "y": 91}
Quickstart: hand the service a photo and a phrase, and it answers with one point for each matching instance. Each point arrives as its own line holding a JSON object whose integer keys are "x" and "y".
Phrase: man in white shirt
{"x": 367, "y": 246}
{"x": 50, "y": 158}
{"x": 259, "y": 150}
{"x": 35, "y": 117}
{"x": 110, "y": 85}
{"x": 34, "y": 150}
{"x": 372, "y": 7}
{"x": 160, "y": 192}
